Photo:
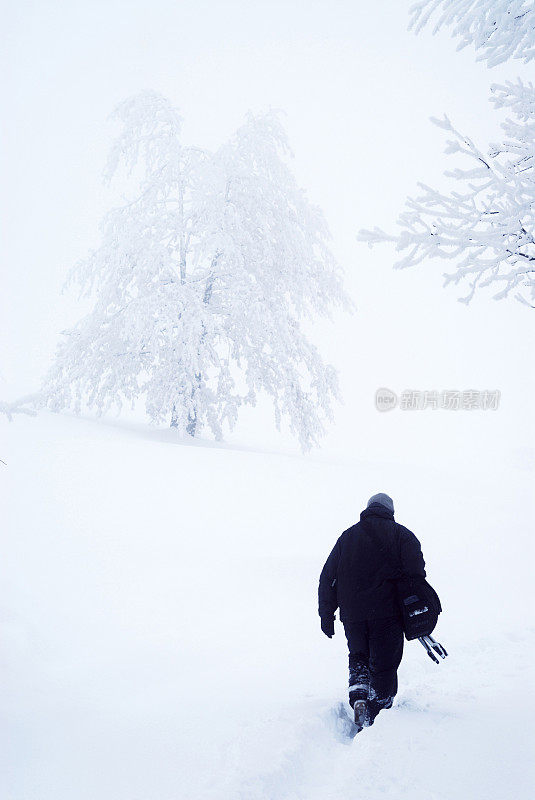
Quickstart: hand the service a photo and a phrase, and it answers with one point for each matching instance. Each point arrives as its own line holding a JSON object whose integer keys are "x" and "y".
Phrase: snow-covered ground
{"x": 160, "y": 638}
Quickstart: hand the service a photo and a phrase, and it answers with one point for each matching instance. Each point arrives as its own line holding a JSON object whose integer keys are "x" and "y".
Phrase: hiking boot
{"x": 361, "y": 714}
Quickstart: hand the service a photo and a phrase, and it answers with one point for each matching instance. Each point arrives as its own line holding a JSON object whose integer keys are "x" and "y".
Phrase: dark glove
{"x": 327, "y": 626}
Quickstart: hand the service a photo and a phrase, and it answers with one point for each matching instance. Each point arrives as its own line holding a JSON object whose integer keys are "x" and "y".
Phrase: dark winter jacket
{"x": 357, "y": 576}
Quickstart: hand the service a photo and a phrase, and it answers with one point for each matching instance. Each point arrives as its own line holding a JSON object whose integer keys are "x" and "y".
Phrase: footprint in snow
{"x": 344, "y": 727}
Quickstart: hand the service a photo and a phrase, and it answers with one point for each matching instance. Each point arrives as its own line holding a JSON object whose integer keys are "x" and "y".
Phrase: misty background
{"x": 357, "y": 90}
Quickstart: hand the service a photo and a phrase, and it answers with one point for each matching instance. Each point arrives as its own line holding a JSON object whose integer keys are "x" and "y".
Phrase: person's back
{"x": 358, "y": 577}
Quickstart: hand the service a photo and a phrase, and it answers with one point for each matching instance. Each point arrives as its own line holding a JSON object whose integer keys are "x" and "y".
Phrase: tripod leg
{"x": 428, "y": 650}
{"x": 437, "y": 647}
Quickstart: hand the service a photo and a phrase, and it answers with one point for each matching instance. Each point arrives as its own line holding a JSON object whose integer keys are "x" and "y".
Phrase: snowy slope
{"x": 160, "y": 637}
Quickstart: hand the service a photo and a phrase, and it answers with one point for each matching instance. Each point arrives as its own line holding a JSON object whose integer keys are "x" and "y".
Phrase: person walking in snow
{"x": 359, "y": 578}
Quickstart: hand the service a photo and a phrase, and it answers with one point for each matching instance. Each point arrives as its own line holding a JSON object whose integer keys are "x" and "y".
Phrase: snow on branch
{"x": 498, "y": 29}
{"x": 24, "y": 405}
{"x": 486, "y": 228}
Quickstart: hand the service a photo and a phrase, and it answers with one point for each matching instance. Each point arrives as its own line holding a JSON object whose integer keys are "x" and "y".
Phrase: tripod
{"x": 430, "y": 644}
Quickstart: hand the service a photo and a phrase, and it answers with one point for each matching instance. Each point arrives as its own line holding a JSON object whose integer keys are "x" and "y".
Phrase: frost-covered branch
{"x": 24, "y": 405}
{"x": 498, "y": 29}
{"x": 487, "y": 227}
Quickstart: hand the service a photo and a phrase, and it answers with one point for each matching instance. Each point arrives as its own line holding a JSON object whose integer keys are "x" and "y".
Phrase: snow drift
{"x": 160, "y": 637}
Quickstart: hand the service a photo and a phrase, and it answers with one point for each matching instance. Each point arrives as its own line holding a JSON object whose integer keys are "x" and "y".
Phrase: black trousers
{"x": 375, "y": 651}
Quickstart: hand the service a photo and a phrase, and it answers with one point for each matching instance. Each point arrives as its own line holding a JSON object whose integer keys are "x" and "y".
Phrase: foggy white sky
{"x": 357, "y": 90}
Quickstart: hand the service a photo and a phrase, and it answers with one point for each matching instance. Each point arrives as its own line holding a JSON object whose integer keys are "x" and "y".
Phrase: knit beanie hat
{"x": 383, "y": 499}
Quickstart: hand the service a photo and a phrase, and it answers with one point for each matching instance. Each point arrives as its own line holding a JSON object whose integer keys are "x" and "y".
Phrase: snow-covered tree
{"x": 201, "y": 283}
{"x": 499, "y": 29}
{"x": 487, "y": 227}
